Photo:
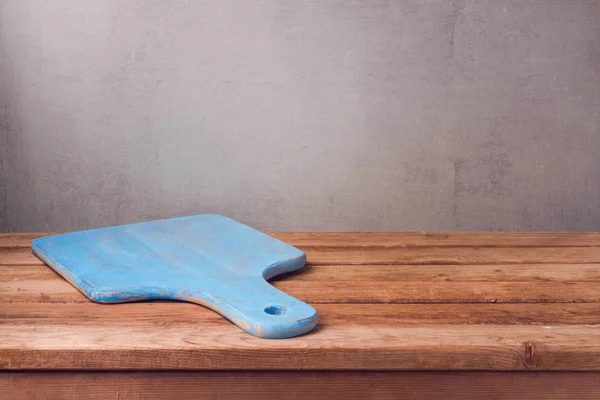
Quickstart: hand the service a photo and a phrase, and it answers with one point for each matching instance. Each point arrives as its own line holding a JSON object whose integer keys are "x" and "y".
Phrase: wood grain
{"x": 453, "y": 255}
{"x": 20, "y": 239}
{"x": 393, "y": 273}
{"x": 448, "y": 273}
{"x": 301, "y": 385}
{"x": 18, "y": 256}
{"x": 335, "y": 347}
{"x": 510, "y": 302}
{"x": 359, "y": 293}
{"x": 322, "y": 285}
{"x": 397, "y": 239}
{"x": 439, "y": 239}
{"x": 366, "y": 284}
{"x": 154, "y": 315}
{"x": 403, "y": 256}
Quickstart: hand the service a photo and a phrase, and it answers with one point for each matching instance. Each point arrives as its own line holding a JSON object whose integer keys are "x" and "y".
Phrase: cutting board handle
{"x": 258, "y": 308}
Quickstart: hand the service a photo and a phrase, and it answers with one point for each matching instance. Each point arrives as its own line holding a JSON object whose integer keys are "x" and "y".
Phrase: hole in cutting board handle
{"x": 275, "y": 310}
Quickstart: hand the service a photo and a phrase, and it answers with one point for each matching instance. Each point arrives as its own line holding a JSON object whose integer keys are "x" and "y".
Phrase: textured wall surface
{"x": 302, "y": 115}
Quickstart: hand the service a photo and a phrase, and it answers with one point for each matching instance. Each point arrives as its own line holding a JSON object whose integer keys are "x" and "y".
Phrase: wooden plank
{"x": 295, "y": 385}
{"x": 391, "y": 273}
{"x": 448, "y": 273}
{"x": 53, "y": 289}
{"x": 404, "y": 256}
{"x": 158, "y": 315}
{"x": 435, "y": 239}
{"x": 397, "y": 239}
{"x": 20, "y": 239}
{"x": 453, "y": 255}
{"x": 364, "y": 285}
{"x": 335, "y": 347}
{"x": 18, "y": 256}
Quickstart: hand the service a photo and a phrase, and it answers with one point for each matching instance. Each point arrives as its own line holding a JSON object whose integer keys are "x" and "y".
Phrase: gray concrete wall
{"x": 302, "y": 115}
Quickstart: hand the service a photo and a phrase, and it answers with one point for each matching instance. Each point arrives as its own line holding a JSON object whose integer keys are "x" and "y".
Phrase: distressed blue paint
{"x": 206, "y": 259}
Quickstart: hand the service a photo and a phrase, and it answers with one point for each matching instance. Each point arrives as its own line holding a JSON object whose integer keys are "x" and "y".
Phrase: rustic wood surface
{"x": 401, "y": 301}
{"x": 300, "y": 385}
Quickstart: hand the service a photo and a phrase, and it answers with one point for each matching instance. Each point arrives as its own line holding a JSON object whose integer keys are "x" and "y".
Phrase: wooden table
{"x": 411, "y": 315}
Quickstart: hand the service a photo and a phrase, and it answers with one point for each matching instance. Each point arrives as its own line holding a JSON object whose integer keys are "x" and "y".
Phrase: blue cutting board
{"x": 206, "y": 259}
